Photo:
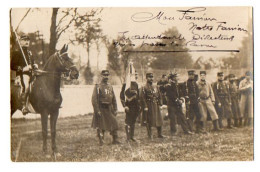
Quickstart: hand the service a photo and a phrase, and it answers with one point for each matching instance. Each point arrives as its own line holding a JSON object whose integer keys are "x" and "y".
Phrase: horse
{"x": 45, "y": 96}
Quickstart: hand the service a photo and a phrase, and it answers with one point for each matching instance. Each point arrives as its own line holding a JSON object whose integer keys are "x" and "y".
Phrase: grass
{"x": 77, "y": 141}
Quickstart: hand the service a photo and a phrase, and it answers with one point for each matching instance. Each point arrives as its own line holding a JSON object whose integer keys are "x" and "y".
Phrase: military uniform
{"x": 17, "y": 64}
{"x": 162, "y": 87}
{"x": 206, "y": 99}
{"x": 234, "y": 94}
{"x": 105, "y": 109}
{"x": 130, "y": 99}
{"x": 151, "y": 100}
{"x": 247, "y": 102}
{"x": 191, "y": 95}
{"x": 174, "y": 104}
{"x": 223, "y": 101}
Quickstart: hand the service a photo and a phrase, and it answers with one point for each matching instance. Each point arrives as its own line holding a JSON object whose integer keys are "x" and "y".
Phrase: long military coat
{"x": 151, "y": 98}
{"x": 104, "y": 101}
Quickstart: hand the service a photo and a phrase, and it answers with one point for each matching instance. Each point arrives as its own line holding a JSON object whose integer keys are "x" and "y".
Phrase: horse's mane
{"x": 49, "y": 61}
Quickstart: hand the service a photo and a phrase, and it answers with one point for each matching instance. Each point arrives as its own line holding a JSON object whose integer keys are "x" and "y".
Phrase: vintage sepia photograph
{"x": 127, "y": 84}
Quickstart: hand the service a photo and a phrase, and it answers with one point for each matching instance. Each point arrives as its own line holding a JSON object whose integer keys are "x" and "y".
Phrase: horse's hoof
{"x": 46, "y": 155}
{"x": 56, "y": 155}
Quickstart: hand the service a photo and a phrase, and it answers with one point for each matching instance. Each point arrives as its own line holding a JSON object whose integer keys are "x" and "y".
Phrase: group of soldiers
{"x": 189, "y": 104}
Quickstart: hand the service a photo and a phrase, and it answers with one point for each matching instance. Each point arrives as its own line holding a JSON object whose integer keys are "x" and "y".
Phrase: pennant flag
{"x": 130, "y": 75}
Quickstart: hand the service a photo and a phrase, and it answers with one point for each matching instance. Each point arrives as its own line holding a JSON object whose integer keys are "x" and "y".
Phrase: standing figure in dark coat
{"x": 223, "y": 100}
{"x": 234, "y": 94}
{"x": 152, "y": 102}
{"x": 175, "y": 101}
{"x": 162, "y": 87}
{"x": 23, "y": 70}
{"x": 105, "y": 109}
{"x": 130, "y": 100}
{"x": 191, "y": 97}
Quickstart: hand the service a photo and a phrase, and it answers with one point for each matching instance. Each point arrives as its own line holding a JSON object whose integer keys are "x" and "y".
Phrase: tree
{"x": 118, "y": 58}
{"x": 88, "y": 31}
{"x": 68, "y": 17}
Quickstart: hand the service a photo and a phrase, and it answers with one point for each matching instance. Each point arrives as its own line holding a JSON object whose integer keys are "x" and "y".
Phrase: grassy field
{"x": 77, "y": 141}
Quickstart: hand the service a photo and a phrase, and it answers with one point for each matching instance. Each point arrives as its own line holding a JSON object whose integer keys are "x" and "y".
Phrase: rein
{"x": 48, "y": 73}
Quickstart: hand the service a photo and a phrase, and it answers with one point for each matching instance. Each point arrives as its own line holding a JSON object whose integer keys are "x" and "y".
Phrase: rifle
{"x": 97, "y": 117}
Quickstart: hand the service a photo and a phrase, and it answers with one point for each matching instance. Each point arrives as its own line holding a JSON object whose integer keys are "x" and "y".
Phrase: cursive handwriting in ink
{"x": 225, "y": 28}
{"x": 195, "y": 44}
{"x": 195, "y": 27}
{"x": 147, "y": 16}
{"x": 186, "y": 14}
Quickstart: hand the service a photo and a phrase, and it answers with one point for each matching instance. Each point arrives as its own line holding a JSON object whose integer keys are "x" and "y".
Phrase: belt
{"x": 204, "y": 98}
{"x": 104, "y": 105}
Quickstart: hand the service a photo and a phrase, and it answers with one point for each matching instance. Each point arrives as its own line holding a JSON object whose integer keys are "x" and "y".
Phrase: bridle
{"x": 62, "y": 63}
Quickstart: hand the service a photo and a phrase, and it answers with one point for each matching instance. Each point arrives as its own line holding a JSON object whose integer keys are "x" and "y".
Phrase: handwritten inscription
{"x": 201, "y": 26}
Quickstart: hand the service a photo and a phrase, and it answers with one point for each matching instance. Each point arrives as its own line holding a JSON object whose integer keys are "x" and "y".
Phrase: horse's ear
{"x": 63, "y": 48}
{"x": 67, "y": 47}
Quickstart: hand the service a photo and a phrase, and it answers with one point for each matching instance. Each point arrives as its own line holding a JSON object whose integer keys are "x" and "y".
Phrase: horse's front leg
{"x": 44, "y": 121}
{"x": 53, "y": 122}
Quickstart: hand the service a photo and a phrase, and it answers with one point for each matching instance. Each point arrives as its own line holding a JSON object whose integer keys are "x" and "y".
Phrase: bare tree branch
{"x": 60, "y": 31}
{"x": 66, "y": 14}
{"x": 23, "y": 18}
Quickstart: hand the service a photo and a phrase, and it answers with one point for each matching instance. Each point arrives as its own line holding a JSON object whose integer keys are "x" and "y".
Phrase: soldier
{"x": 174, "y": 104}
{"x": 191, "y": 95}
{"x": 223, "y": 100}
{"x": 23, "y": 70}
{"x": 162, "y": 86}
{"x": 234, "y": 94}
{"x": 206, "y": 101}
{"x": 152, "y": 102}
{"x": 246, "y": 102}
{"x": 131, "y": 102}
{"x": 105, "y": 109}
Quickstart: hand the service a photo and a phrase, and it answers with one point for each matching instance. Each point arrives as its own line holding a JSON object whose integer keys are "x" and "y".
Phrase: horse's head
{"x": 66, "y": 63}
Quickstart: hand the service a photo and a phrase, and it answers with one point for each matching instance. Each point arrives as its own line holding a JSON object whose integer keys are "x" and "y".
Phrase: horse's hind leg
{"x": 53, "y": 121}
{"x": 44, "y": 120}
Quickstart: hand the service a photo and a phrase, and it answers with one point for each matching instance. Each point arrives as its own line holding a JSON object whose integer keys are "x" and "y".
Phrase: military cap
{"x": 172, "y": 75}
{"x": 203, "y": 72}
{"x": 220, "y": 74}
{"x": 191, "y": 72}
{"x": 105, "y": 72}
{"x": 24, "y": 37}
{"x": 231, "y": 76}
{"x": 248, "y": 73}
{"x": 149, "y": 74}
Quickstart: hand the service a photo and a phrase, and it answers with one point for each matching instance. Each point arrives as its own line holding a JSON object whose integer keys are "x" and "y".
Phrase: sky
{"x": 117, "y": 20}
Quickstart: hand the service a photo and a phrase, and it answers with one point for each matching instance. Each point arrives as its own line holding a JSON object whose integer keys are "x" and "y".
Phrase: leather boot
{"x": 159, "y": 131}
{"x": 249, "y": 122}
{"x": 236, "y": 123}
{"x": 127, "y": 131}
{"x": 245, "y": 121}
{"x": 132, "y": 132}
{"x": 100, "y": 137}
{"x": 220, "y": 123}
{"x": 115, "y": 138}
{"x": 202, "y": 127}
{"x": 25, "y": 109}
{"x": 229, "y": 124}
{"x": 149, "y": 132}
{"x": 240, "y": 122}
{"x": 215, "y": 125}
